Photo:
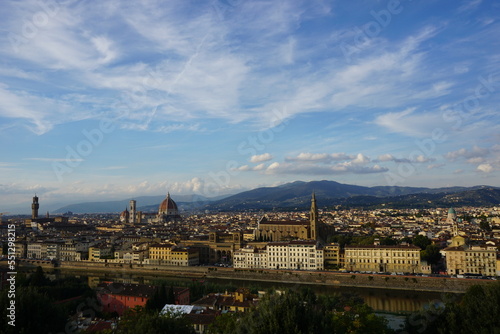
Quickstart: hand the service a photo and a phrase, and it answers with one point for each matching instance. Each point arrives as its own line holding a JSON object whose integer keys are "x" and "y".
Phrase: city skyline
{"x": 115, "y": 101}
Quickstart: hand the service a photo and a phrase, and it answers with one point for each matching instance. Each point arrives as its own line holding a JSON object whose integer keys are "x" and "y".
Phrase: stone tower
{"x": 34, "y": 208}
{"x": 313, "y": 219}
{"x": 133, "y": 212}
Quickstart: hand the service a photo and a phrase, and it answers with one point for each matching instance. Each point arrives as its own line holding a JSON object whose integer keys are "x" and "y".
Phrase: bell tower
{"x": 133, "y": 211}
{"x": 34, "y": 208}
{"x": 313, "y": 219}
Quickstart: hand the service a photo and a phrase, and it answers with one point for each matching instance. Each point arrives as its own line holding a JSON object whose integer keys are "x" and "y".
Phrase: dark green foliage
{"x": 225, "y": 323}
{"x": 477, "y": 313}
{"x": 59, "y": 289}
{"x": 431, "y": 254}
{"x": 421, "y": 241}
{"x": 303, "y": 312}
{"x": 171, "y": 296}
{"x": 388, "y": 241}
{"x": 359, "y": 319}
{"x": 141, "y": 321}
{"x": 485, "y": 225}
{"x": 35, "y": 313}
{"x": 158, "y": 299}
{"x": 38, "y": 278}
{"x": 38, "y": 299}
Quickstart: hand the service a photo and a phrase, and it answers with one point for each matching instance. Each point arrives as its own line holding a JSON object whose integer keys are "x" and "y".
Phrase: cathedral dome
{"x": 124, "y": 216}
{"x": 168, "y": 206}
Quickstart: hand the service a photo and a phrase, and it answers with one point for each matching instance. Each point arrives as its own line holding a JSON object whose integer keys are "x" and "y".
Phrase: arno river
{"x": 381, "y": 300}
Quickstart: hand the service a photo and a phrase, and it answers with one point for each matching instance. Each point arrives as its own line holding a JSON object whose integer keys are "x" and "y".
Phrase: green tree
{"x": 171, "y": 296}
{"x": 477, "y": 313}
{"x": 359, "y": 319}
{"x": 421, "y": 241}
{"x": 38, "y": 278}
{"x": 388, "y": 241}
{"x": 32, "y": 312}
{"x": 155, "y": 303}
{"x": 225, "y": 323}
{"x": 303, "y": 312}
{"x": 431, "y": 254}
{"x": 483, "y": 224}
{"x": 141, "y": 321}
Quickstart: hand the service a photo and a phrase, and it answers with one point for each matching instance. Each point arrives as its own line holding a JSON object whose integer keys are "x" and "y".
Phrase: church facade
{"x": 268, "y": 230}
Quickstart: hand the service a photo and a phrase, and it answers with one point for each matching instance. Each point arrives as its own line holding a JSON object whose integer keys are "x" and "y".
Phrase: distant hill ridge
{"x": 144, "y": 203}
{"x": 297, "y": 195}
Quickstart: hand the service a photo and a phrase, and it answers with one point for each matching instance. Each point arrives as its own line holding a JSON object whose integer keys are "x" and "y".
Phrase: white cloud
{"x": 476, "y": 160}
{"x": 273, "y": 166}
{"x": 475, "y": 152}
{"x": 417, "y": 159}
{"x": 386, "y": 157}
{"x": 259, "y": 167}
{"x": 360, "y": 159}
{"x": 261, "y": 157}
{"x": 485, "y": 168}
{"x": 308, "y": 168}
{"x": 422, "y": 159}
{"x": 320, "y": 157}
{"x": 434, "y": 166}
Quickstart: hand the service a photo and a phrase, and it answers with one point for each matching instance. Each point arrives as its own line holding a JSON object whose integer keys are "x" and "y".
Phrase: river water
{"x": 381, "y": 300}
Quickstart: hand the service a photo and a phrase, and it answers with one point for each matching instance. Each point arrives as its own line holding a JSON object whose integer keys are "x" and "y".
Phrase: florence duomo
{"x": 167, "y": 212}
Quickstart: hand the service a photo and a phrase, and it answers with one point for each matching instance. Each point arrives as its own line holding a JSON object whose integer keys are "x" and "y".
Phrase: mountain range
{"x": 297, "y": 196}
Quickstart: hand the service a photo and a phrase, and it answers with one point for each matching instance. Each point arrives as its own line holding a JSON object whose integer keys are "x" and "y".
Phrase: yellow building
{"x": 239, "y": 301}
{"x": 99, "y": 253}
{"x": 378, "y": 258}
{"x": 219, "y": 247}
{"x": 170, "y": 254}
{"x": 332, "y": 255}
{"x": 465, "y": 259}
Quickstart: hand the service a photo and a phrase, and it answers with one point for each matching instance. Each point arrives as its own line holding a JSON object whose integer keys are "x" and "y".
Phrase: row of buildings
{"x": 271, "y": 243}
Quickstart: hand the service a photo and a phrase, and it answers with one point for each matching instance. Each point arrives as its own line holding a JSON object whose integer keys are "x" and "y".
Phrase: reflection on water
{"x": 381, "y": 300}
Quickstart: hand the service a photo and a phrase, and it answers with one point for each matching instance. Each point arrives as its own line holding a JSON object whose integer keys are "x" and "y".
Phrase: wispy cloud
{"x": 55, "y": 159}
{"x": 469, "y": 5}
{"x": 475, "y": 152}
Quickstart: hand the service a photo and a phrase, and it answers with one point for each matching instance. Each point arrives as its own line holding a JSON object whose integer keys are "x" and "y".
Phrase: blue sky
{"x": 117, "y": 99}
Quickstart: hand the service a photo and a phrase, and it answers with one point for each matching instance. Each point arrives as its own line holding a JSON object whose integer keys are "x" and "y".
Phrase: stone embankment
{"x": 408, "y": 283}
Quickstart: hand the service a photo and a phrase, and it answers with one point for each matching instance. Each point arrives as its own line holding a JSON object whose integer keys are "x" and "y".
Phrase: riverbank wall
{"x": 395, "y": 282}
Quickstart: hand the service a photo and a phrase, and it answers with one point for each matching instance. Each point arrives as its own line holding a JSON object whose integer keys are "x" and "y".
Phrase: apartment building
{"x": 170, "y": 254}
{"x": 332, "y": 255}
{"x": 380, "y": 258}
{"x": 250, "y": 257}
{"x": 465, "y": 259}
{"x": 303, "y": 255}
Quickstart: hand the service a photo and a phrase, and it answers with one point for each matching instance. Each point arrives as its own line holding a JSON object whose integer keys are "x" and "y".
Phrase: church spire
{"x": 313, "y": 218}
